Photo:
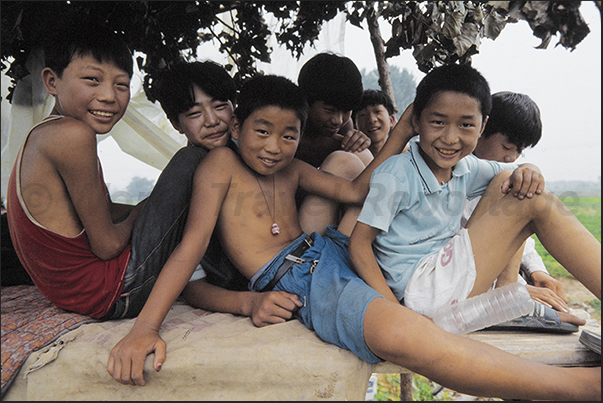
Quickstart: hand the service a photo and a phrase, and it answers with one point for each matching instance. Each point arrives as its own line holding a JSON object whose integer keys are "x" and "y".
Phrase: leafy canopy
{"x": 164, "y": 32}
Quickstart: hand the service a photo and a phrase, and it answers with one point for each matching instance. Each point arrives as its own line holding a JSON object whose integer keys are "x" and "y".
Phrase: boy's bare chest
{"x": 247, "y": 217}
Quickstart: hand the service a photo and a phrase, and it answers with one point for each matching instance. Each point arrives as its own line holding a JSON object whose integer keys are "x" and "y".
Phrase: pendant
{"x": 275, "y": 229}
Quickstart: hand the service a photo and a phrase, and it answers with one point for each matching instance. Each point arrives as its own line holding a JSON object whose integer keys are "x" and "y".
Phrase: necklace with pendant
{"x": 275, "y": 229}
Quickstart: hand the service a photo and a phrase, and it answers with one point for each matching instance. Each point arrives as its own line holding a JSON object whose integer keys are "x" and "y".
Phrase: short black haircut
{"x": 372, "y": 97}
{"x": 516, "y": 116}
{"x": 460, "y": 78}
{"x": 333, "y": 79}
{"x": 270, "y": 90}
{"x": 174, "y": 90}
{"x": 81, "y": 38}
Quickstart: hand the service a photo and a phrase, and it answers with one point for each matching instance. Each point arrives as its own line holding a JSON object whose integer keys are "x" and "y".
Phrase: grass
{"x": 588, "y": 212}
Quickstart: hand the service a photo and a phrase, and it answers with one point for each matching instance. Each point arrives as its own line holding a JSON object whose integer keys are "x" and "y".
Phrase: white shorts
{"x": 442, "y": 278}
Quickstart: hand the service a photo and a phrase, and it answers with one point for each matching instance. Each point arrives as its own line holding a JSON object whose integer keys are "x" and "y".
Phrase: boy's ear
{"x": 234, "y": 127}
{"x": 415, "y": 123}
{"x": 49, "y": 79}
{"x": 483, "y": 125}
{"x": 176, "y": 126}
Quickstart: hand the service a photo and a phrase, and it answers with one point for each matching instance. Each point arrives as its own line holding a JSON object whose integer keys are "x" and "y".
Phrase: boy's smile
{"x": 448, "y": 128}
{"x": 268, "y": 138}
{"x": 375, "y": 121}
{"x": 206, "y": 124}
{"x": 94, "y": 92}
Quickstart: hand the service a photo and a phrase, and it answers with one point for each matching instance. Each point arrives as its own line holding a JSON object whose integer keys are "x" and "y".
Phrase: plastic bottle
{"x": 487, "y": 309}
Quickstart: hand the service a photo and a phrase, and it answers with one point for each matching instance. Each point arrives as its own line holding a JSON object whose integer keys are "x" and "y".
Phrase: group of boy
{"x": 397, "y": 243}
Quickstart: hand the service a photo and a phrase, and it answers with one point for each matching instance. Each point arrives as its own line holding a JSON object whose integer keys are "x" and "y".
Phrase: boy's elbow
{"x": 107, "y": 250}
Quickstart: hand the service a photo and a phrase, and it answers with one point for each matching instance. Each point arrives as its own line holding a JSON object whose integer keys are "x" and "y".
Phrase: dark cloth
{"x": 158, "y": 230}
{"x": 13, "y": 272}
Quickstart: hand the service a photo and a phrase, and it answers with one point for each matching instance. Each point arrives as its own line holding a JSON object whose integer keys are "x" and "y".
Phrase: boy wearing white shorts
{"x": 425, "y": 255}
{"x": 408, "y": 243}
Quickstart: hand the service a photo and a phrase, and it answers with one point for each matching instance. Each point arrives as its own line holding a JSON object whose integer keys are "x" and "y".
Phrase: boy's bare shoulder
{"x": 66, "y": 131}
{"x": 221, "y": 156}
{"x": 221, "y": 160}
{"x": 61, "y": 140}
{"x": 66, "y": 125}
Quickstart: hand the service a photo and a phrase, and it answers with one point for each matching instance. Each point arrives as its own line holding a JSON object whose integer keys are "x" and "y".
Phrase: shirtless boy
{"x": 250, "y": 198}
{"x": 85, "y": 253}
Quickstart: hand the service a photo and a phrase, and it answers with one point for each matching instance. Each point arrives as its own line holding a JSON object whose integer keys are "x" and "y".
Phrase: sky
{"x": 565, "y": 84}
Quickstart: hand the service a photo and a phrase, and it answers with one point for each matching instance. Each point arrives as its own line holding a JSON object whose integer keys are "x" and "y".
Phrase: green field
{"x": 588, "y": 211}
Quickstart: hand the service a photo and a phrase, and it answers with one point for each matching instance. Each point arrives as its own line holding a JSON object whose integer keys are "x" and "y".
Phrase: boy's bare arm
{"x": 126, "y": 360}
{"x": 363, "y": 258}
{"x": 354, "y": 192}
{"x": 120, "y": 211}
{"x": 86, "y": 189}
{"x": 264, "y": 308}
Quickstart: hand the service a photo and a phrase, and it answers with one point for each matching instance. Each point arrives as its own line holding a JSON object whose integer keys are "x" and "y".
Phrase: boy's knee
{"x": 343, "y": 163}
{"x": 498, "y": 180}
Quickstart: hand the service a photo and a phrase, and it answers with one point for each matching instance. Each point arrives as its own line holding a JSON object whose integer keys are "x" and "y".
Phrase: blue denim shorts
{"x": 335, "y": 299}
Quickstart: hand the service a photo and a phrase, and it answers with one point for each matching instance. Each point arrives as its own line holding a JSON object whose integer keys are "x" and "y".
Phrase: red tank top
{"x": 63, "y": 268}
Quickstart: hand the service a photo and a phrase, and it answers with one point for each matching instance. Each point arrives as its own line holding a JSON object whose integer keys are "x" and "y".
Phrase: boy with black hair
{"x": 514, "y": 124}
{"x": 408, "y": 243}
{"x": 85, "y": 253}
{"x": 375, "y": 116}
{"x": 250, "y": 197}
{"x": 198, "y": 99}
{"x": 332, "y": 84}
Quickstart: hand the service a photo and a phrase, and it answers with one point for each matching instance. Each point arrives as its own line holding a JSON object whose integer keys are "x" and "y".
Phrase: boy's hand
{"x": 126, "y": 360}
{"x": 404, "y": 126}
{"x": 544, "y": 281}
{"x": 353, "y": 140}
{"x": 273, "y": 307}
{"x": 548, "y": 297}
{"x": 525, "y": 181}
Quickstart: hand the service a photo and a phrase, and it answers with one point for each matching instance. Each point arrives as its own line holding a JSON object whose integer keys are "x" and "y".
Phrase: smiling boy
{"x": 375, "y": 116}
{"x": 408, "y": 243}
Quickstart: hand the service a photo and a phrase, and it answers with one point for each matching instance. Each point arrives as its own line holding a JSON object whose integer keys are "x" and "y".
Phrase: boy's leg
{"x": 317, "y": 213}
{"x": 158, "y": 229}
{"x": 510, "y": 273}
{"x": 399, "y": 335}
{"x": 499, "y": 232}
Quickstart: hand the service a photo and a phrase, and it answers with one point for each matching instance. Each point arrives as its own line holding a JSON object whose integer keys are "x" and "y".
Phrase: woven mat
{"x": 30, "y": 322}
